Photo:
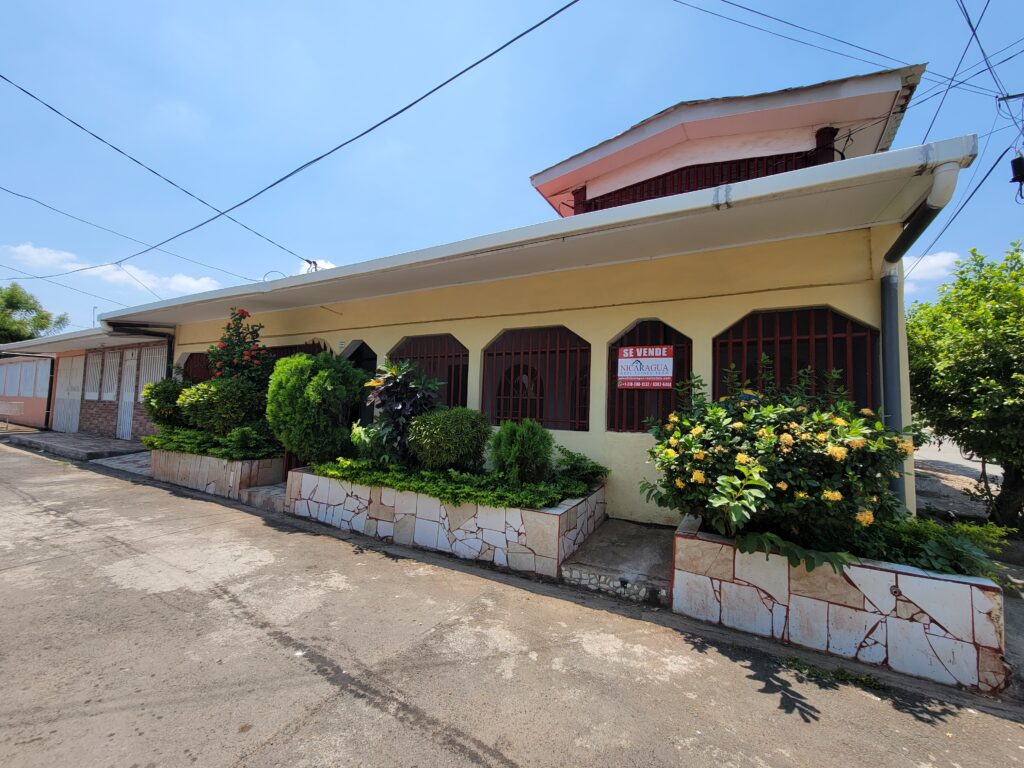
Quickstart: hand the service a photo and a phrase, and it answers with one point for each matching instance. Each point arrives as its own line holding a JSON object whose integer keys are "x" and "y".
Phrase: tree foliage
{"x": 966, "y": 353}
{"x": 22, "y": 316}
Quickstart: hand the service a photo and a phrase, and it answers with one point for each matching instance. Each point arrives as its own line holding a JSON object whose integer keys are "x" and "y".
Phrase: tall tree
{"x": 22, "y": 316}
{"x": 967, "y": 367}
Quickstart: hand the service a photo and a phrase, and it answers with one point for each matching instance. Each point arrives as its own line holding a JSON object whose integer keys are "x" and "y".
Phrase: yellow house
{"x": 708, "y": 235}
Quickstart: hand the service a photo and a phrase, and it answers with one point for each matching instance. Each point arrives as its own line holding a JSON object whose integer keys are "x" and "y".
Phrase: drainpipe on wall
{"x": 943, "y": 184}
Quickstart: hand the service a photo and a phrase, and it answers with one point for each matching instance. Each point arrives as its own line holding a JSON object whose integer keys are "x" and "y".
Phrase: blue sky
{"x": 224, "y": 97}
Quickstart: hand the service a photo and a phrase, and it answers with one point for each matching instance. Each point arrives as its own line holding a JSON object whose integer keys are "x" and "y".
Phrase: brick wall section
{"x": 99, "y": 417}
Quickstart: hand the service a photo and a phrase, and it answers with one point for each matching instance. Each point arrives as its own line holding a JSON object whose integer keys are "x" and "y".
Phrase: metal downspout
{"x": 892, "y": 391}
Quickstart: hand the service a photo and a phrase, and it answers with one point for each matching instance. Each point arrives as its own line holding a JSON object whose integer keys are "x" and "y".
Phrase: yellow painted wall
{"x": 698, "y": 294}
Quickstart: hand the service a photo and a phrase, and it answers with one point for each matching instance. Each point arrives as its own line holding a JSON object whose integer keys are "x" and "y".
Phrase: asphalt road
{"x": 141, "y": 626}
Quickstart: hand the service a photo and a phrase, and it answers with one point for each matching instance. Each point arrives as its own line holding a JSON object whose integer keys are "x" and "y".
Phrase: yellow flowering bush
{"x": 808, "y": 470}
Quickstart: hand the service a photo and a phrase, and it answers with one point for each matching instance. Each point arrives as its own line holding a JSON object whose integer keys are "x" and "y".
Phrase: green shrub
{"x": 309, "y": 404}
{"x": 220, "y": 405}
{"x": 252, "y": 441}
{"x": 160, "y": 401}
{"x": 579, "y": 467}
{"x": 454, "y": 438}
{"x": 521, "y": 452}
{"x": 246, "y": 442}
{"x": 958, "y": 548}
{"x": 399, "y": 393}
{"x": 453, "y": 487}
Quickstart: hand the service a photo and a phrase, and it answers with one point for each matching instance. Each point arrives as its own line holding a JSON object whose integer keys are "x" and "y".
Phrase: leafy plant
{"x": 966, "y": 353}
{"x": 579, "y": 467}
{"x": 453, "y": 487}
{"x": 959, "y": 548}
{"x": 239, "y": 444}
{"x": 239, "y": 354}
{"x": 369, "y": 445}
{"x": 521, "y": 452}
{"x": 400, "y": 393}
{"x": 220, "y": 405}
{"x": 809, "y": 469}
{"x": 160, "y": 400}
{"x": 453, "y": 438}
{"x": 309, "y": 404}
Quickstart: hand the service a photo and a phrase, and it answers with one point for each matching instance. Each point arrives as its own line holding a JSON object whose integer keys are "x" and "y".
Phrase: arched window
{"x": 630, "y": 408}
{"x": 541, "y": 374}
{"x": 362, "y": 356}
{"x": 818, "y": 338}
{"x": 440, "y": 357}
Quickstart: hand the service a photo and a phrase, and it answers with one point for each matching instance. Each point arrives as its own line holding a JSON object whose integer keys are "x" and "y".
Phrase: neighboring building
{"x": 716, "y": 231}
{"x": 25, "y": 383}
{"x": 97, "y": 380}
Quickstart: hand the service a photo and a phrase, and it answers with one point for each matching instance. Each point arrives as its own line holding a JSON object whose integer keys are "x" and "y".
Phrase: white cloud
{"x": 935, "y": 266}
{"x": 50, "y": 260}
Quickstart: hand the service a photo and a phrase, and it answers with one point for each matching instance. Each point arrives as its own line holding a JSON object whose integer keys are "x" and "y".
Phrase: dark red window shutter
{"x": 818, "y": 338}
{"x": 541, "y": 374}
{"x": 630, "y": 409}
{"x": 440, "y": 357}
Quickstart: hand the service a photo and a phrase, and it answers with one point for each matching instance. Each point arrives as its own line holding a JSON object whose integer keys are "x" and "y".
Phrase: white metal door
{"x": 68, "y": 402}
{"x": 126, "y": 405}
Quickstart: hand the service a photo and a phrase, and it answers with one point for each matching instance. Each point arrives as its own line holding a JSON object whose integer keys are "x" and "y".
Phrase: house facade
{"x": 701, "y": 239}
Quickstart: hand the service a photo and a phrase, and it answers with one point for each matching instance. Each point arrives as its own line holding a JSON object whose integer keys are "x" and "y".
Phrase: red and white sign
{"x": 645, "y": 368}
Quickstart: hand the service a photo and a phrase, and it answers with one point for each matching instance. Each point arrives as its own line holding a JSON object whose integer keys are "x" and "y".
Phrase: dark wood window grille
{"x": 816, "y": 337}
{"x": 440, "y": 357}
{"x": 695, "y": 177}
{"x": 541, "y": 374}
{"x": 630, "y": 409}
{"x": 197, "y": 364}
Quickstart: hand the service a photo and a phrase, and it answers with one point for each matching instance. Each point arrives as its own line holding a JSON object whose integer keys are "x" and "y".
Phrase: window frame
{"x": 560, "y": 362}
{"x": 621, "y": 401}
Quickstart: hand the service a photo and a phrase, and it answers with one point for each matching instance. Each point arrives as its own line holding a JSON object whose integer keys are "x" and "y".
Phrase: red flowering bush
{"x": 239, "y": 353}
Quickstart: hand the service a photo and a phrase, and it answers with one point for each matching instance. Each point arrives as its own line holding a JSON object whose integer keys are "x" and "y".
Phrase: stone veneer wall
{"x": 212, "y": 475}
{"x": 529, "y": 540}
{"x": 936, "y": 626}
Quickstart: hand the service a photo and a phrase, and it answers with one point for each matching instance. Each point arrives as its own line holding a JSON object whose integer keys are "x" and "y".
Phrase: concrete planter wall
{"x": 212, "y": 475}
{"x": 528, "y": 540}
{"x": 936, "y": 626}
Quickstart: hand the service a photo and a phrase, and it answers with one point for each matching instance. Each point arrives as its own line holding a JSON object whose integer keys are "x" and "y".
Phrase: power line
{"x": 837, "y": 39}
{"x": 121, "y": 234}
{"x": 343, "y": 144}
{"x": 958, "y": 210}
{"x": 974, "y": 34}
{"x": 133, "y": 277}
{"x": 972, "y": 89}
{"x": 62, "y": 285}
{"x": 950, "y": 83}
{"x": 153, "y": 171}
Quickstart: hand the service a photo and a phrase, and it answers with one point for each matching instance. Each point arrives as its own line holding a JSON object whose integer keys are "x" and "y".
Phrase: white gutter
{"x": 831, "y": 176}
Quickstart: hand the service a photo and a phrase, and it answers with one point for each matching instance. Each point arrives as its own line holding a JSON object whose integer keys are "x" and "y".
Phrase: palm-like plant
{"x": 399, "y": 393}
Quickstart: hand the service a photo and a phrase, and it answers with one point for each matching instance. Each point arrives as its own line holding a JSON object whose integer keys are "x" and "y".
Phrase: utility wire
{"x": 945, "y": 92}
{"x": 153, "y": 171}
{"x": 972, "y": 89}
{"x": 974, "y": 34}
{"x": 958, "y": 210}
{"x": 62, "y": 285}
{"x": 137, "y": 280}
{"x": 946, "y": 78}
{"x": 343, "y": 144}
{"x": 121, "y": 234}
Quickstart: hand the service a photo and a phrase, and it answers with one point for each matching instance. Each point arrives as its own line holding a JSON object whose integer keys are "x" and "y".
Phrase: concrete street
{"x": 143, "y": 626}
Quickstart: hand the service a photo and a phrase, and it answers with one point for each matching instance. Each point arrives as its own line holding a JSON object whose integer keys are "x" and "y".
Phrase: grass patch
{"x": 837, "y": 675}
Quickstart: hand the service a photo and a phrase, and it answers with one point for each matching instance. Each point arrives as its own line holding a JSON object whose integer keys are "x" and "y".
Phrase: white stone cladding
{"x": 937, "y": 626}
{"x": 527, "y": 540}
